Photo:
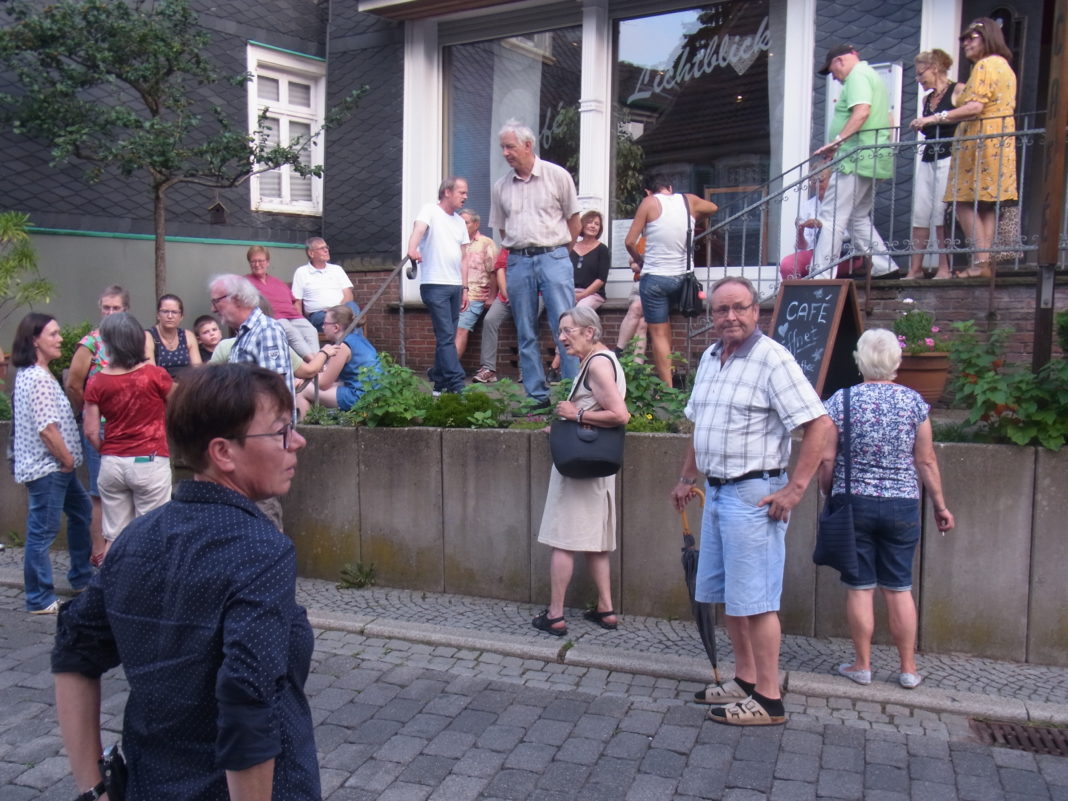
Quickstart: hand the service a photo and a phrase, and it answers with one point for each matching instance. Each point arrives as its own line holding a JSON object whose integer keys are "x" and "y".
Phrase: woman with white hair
{"x": 580, "y": 513}
{"x": 890, "y": 447}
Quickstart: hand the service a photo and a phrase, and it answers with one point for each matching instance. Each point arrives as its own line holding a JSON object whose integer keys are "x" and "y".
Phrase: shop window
{"x": 288, "y": 90}
{"x": 534, "y": 78}
{"x": 692, "y": 105}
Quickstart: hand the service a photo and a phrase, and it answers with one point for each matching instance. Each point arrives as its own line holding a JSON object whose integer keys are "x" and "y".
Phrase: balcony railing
{"x": 740, "y": 238}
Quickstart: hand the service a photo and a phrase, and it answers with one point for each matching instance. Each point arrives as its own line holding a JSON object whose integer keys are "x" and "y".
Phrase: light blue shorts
{"x": 743, "y": 551}
{"x": 470, "y": 315}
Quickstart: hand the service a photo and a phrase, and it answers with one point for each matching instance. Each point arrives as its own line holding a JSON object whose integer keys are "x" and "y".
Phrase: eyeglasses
{"x": 738, "y": 308}
{"x": 168, "y": 312}
{"x": 921, "y": 70}
{"x": 284, "y": 433}
{"x": 258, "y": 261}
{"x": 973, "y": 35}
{"x": 571, "y": 331}
{"x": 329, "y": 322}
{"x": 216, "y": 301}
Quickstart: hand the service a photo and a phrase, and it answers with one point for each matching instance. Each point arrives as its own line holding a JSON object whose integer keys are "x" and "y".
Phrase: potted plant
{"x": 924, "y": 353}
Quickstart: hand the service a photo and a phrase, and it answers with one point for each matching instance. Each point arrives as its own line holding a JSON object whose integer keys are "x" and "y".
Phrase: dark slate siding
{"x": 882, "y": 31}
{"x": 61, "y": 197}
{"x": 362, "y": 208}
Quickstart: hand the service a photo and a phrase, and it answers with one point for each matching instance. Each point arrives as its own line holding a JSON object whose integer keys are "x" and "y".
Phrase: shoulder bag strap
{"x": 847, "y": 445}
{"x": 689, "y": 233}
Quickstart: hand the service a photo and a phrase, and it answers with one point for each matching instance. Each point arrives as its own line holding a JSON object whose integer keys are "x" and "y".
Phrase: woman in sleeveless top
{"x": 580, "y": 513}
{"x": 662, "y": 219}
{"x": 932, "y": 171}
{"x": 339, "y": 380}
{"x": 167, "y": 344}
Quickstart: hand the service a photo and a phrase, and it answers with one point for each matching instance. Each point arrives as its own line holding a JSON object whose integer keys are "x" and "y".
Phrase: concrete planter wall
{"x": 458, "y": 511}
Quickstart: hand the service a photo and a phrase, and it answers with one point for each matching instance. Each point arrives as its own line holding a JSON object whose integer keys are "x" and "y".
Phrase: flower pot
{"x": 924, "y": 372}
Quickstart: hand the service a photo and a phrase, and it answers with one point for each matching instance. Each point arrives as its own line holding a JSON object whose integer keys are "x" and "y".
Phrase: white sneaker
{"x": 51, "y": 609}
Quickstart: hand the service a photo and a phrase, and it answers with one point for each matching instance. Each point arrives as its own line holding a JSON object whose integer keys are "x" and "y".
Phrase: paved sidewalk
{"x": 398, "y": 720}
{"x": 664, "y": 649}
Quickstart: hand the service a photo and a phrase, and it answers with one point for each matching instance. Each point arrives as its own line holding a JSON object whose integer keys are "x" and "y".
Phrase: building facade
{"x": 722, "y": 97}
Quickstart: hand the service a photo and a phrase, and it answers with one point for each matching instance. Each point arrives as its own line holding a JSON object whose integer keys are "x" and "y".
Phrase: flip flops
{"x": 859, "y": 676}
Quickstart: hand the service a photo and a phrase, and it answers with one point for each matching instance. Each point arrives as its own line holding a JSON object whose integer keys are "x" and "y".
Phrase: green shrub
{"x": 1014, "y": 404}
{"x": 395, "y": 396}
{"x": 72, "y": 335}
{"x": 467, "y": 409}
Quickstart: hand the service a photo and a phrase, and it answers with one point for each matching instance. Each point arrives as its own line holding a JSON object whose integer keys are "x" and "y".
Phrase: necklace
{"x": 936, "y": 96}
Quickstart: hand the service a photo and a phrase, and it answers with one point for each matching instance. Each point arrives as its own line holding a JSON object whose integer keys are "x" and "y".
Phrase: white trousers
{"x": 847, "y": 206}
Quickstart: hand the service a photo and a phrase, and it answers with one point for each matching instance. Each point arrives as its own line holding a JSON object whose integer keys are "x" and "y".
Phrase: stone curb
{"x": 676, "y": 667}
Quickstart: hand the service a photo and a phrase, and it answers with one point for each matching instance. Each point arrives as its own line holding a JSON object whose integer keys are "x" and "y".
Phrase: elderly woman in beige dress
{"x": 580, "y": 513}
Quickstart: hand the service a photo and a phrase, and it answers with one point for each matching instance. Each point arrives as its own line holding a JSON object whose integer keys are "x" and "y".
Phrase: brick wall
{"x": 950, "y": 301}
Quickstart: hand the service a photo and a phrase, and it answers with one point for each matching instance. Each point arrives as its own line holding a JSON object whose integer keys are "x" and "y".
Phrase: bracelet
{"x": 327, "y": 355}
{"x": 578, "y": 417}
{"x": 689, "y": 482}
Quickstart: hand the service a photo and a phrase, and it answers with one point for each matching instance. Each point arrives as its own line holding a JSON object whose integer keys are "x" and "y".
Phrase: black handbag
{"x": 687, "y": 300}
{"x": 836, "y": 539}
{"x": 585, "y": 451}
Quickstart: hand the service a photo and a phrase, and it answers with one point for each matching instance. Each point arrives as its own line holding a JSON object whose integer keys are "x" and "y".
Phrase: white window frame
{"x": 283, "y": 65}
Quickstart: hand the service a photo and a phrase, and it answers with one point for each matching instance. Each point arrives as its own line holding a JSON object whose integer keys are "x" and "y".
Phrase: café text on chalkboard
{"x": 819, "y": 323}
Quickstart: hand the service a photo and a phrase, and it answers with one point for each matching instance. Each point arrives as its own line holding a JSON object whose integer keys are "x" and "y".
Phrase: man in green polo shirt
{"x": 861, "y": 123}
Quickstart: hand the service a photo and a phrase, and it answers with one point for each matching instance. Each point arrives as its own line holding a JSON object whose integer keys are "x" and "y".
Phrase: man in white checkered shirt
{"x": 748, "y": 396}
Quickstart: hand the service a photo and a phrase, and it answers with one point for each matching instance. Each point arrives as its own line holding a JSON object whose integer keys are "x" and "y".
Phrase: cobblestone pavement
{"x": 404, "y": 721}
{"x": 667, "y": 647}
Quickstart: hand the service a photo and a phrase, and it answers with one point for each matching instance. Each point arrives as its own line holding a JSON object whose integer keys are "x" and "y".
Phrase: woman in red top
{"x": 131, "y": 394}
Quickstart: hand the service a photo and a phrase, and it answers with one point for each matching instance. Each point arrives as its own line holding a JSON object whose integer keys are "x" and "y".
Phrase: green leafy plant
{"x": 20, "y": 283}
{"x": 467, "y": 409}
{"x": 653, "y": 406}
{"x": 917, "y": 333}
{"x": 16, "y": 539}
{"x": 1014, "y": 404}
{"x": 357, "y": 577}
{"x": 72, "y": 334}
{"x": 5, "y": 403}
{"x": 321, "y": 416}
{"x": 395, "y": 396}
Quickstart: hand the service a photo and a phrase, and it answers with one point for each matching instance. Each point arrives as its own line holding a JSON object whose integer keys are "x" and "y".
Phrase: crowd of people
{"x": 235, "y": 717}
{"x": 967, "y": 163}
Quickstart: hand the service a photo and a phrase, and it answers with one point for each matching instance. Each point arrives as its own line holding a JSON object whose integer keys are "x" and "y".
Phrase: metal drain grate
{"x": 1036, "y": 739}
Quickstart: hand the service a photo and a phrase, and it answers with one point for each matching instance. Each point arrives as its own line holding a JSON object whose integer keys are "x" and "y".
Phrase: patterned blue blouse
{"x": 884, "y": 419}
{"x": 197, "y": 602}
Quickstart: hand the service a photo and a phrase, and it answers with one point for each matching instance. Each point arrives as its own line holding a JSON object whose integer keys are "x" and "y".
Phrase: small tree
{"x": 20, "y": 283}
{"x": 114, "y": 84}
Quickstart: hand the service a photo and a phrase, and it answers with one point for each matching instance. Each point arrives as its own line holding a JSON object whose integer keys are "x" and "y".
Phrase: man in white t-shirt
{"x": 318, "y": 285}
{"x": 438, "y": 240}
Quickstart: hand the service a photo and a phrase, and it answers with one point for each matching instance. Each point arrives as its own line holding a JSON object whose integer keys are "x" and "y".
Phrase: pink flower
{"x": 935, "y": 329}
{"x": 929, "y": 342}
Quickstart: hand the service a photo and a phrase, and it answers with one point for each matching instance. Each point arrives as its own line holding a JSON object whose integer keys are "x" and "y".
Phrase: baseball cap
{"x": 833, "y": 53}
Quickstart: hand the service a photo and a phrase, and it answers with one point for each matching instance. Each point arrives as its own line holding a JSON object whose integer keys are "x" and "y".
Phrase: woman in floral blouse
{"x": 890, "y": 444}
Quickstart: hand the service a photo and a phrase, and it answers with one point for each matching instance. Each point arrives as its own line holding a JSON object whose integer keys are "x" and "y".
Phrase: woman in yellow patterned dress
{"x": 983, "y": 171}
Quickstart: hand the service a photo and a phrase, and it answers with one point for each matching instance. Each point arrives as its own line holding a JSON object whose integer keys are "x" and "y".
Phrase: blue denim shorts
{"x": 656, "y": 292}
{"x": 888, "y": 530}
{"x": 92, "y": 461}
{"x": 470, "y": 315}
{"x": 743, "y": 551}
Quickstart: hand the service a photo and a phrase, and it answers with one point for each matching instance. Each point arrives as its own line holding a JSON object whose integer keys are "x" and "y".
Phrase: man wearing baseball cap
{"x": 861, "y": 121}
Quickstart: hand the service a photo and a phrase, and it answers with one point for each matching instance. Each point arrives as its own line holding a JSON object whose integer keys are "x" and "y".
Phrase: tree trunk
{"x": 159, "y": 221}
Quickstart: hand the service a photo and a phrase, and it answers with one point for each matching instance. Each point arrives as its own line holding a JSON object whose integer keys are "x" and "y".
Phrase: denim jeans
{"x": 50, "y": 496}
{"x": 443, "y": 303}
{"x": 888, "y": 530}
{"x": 550, "y": 274}
{"x": 743, "y": 551}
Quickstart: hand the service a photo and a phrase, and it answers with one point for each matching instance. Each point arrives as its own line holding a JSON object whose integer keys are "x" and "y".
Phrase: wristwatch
{"x": 689, "y": 482}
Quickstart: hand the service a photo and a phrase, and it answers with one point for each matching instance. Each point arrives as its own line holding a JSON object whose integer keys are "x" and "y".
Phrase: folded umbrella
{"x": 703, "y": 614}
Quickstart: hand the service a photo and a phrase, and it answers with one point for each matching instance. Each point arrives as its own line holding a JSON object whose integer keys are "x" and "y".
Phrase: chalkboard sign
{"x": 819, "y": 323}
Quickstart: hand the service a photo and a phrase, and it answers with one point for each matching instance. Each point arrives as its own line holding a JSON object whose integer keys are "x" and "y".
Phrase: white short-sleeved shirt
{"x": 440, "y": 246}
{"x": 320, "y": 289}
{"x": 39, "y": 400}
{"x": 744, "y": 410}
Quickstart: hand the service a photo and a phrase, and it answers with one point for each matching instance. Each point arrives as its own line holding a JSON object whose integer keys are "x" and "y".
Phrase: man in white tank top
{"x": 662, "y": 220}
